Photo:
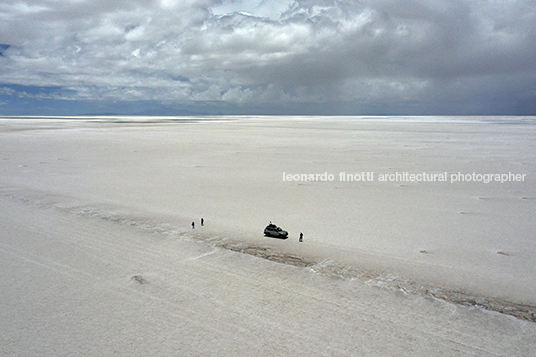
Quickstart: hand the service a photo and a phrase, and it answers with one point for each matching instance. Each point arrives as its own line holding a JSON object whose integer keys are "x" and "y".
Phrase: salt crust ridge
{"x": 328, "y": 267}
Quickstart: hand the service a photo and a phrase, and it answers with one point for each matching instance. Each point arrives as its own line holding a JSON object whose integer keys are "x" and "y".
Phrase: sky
{"x": 324, "y": 57}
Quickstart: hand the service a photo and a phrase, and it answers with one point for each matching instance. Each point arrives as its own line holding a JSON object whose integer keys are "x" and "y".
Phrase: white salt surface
{"x": 98, "y": 256}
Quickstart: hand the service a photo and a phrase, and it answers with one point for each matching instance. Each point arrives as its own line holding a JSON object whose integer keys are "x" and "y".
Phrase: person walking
{"x": 193, "y": 225}
{"x": 202, "y": 221}
{"x": 301, "y": 237}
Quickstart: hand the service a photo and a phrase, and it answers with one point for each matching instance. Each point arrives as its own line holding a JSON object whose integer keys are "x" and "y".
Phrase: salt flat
{"x": 99, "y": 256}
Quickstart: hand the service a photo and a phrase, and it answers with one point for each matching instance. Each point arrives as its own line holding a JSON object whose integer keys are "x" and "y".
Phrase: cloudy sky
{"x": 268, "y": 56}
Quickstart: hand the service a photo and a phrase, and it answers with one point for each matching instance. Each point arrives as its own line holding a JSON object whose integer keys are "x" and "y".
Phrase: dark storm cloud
{"x": 353, "y": 54}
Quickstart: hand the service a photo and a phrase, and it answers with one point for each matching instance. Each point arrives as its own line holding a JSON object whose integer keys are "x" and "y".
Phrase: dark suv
{"x": 272, "y": 230}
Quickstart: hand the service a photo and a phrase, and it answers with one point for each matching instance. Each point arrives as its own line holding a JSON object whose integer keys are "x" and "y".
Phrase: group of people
{"x": 202, "y": 223}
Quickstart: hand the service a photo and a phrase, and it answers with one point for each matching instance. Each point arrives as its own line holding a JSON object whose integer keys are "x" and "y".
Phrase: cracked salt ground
{"x": 97, "y": 256}
{"x": 80, "y": 284}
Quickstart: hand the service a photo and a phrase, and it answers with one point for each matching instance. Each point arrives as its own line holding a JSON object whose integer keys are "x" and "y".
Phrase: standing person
{"x": 193, "y": 225}
{"x": 301, "y": 237}
{"x": 202, "y": 221}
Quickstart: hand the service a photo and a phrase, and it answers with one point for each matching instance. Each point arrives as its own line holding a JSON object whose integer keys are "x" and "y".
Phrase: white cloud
{"x": 291, "y": 51}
